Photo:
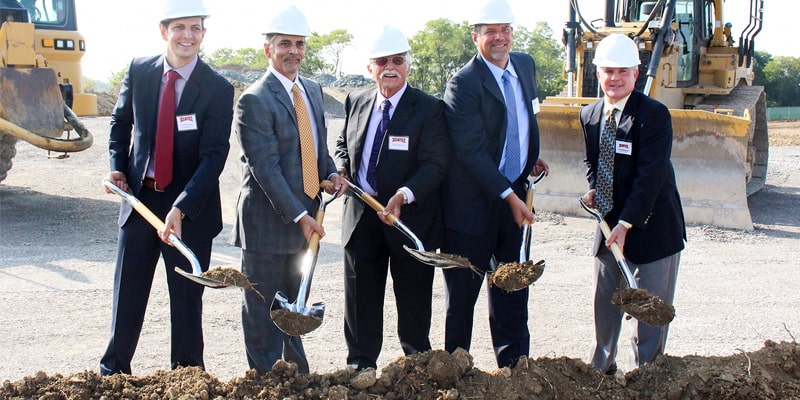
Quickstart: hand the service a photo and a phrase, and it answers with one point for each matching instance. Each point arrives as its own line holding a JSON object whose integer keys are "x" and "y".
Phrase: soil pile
{"x": 773, "y": 372}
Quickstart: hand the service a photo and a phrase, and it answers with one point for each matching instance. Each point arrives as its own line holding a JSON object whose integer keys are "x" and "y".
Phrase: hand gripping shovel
{"x": 638, "y": 303}
{"x": 439, "y": 260}
{"x": 296, "y": 319}
{"x": 513, "y": 276}
{"x": 173, "y": 240}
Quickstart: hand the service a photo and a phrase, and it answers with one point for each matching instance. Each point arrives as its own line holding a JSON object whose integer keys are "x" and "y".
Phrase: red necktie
{"x": 165, "y": 132}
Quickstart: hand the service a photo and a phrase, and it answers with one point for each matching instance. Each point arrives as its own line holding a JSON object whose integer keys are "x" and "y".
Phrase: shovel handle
{"x": 138, "y": 206}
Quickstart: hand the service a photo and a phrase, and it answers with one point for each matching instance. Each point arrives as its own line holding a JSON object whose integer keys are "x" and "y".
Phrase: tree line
{"x": 442, "y": 47}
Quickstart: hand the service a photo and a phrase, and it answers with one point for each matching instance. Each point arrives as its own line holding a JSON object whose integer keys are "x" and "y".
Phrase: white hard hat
{"x": 174, "y": 9}
{"x": 289, "y": 21}
{"x": 493, "y": 12}
{"x": 390, "y": 41}
{"x": 616, "y": 51}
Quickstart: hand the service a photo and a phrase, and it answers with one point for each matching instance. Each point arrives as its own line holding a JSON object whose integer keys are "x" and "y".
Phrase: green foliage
{"x": 548, "y": 55}
{"x": 330, "y": 47}
{"x": 782, "y": 76}
{"x": 251, "y": 57}
{"x": 439, "y": 51}
{"x": 115, "y": 80}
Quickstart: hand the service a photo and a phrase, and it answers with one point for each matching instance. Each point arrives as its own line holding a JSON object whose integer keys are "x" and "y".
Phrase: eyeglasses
{"x": 396, "y": 60}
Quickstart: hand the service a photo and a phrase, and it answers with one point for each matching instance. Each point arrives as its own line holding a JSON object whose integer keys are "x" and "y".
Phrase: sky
{"x": 117, "y": 31}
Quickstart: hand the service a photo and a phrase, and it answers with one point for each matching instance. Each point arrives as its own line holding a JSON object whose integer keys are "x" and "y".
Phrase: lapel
{"x": 488, "y": 79}
{"x": 363, "y": 107}
{"x": 626, "y": 117}
{"x": 280, "y": 94}
{"x": 405, "y": 108}
{"x": 191, "y": 91}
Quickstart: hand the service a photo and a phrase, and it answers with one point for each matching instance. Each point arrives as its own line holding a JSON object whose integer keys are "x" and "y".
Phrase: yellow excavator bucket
{"x": 30, "y": 99}
{"x": 710, "y": 154}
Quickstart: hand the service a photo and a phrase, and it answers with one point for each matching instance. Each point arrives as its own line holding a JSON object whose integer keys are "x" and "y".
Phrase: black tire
{"x": 8, "y": 150}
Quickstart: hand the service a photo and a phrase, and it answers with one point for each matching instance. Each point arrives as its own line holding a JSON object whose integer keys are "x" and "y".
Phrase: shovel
{"x": 638, "y": 303}
{"x": 295, "y": 319}
{"x": 173, "y": 240}
{"x": 524, "y": 249}
{"x": 440, "y": 260}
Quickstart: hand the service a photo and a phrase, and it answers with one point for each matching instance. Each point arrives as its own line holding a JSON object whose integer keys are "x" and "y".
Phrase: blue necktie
{"x": 511, "y": 169}
{"x": 372, "y": 178}
{"x": 604, "y": 197}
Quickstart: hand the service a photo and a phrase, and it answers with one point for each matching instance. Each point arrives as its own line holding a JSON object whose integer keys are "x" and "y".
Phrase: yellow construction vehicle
{"x": 41, "y": 90}
{"x": 691, "y": 63}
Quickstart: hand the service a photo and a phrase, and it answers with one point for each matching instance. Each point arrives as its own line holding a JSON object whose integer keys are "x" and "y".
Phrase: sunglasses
{"x": 396, "y": 60}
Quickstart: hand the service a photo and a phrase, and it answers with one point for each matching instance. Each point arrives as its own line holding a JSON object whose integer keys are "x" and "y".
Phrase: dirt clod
{"x": 231, "y": 276}
{"x": 645, "y": 307}
{"x": 769, "y": 373}
{"x": 294, "y": 323}
{"x": 515, "y": 276}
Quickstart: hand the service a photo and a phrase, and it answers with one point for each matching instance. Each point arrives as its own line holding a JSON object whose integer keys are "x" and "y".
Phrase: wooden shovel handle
{"x": 377, "y": 206}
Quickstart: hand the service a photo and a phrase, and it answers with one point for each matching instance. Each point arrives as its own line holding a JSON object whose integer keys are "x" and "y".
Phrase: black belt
{"x": 150, "y": 183}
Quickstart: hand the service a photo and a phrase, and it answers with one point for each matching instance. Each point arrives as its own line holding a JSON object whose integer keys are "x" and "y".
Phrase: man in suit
{"x": 277, "y": 203}
{"x": 400, "y": 161}
{"x": 638, "y": 197}
{"x": 183, "y": 191}
{"x": 491, "y": 113}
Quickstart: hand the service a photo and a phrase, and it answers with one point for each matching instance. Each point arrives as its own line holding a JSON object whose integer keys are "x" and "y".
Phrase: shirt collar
{"x": 394, "y": 99}
{"x": 287, "y": 84}
{"x": 497, "y": 72}
{"x": 185, "y": 71}
{"x": 619, "y": 106}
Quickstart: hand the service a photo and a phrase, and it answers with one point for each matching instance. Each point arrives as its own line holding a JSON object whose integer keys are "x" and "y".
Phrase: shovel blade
{"x": 212, "y": 283}
{"x": 294, "y": 319}
{"x": 440, "y": 260}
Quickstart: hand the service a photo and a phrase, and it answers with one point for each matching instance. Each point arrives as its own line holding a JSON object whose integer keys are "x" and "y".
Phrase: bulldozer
{"x": 692, "y": 63}
{"x": 41, "y": 89}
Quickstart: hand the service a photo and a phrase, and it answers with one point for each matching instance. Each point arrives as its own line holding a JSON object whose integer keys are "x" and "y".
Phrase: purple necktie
{"x": 376, "y": 145}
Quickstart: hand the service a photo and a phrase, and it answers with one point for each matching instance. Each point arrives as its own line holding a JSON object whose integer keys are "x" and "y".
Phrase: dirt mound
{"x": 773, "y": 372}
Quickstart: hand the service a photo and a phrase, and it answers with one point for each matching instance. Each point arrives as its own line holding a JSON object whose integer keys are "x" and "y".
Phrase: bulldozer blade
{"x": 714, "y": 156}
{"x": 30, "y": 98}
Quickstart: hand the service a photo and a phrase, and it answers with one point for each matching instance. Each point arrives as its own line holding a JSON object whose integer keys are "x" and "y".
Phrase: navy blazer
{"x": 645, "y": 192}
{"x": 419, "y": 117}
{"x": 476, "y": 116}
{"x": 200, "y": 154}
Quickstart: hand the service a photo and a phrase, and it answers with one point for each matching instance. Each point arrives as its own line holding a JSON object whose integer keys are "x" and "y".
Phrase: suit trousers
{"x": 368, "y": 257}
{"x": 264, "y": 342}
{"x": 508, "y": 311}
{"x": 138, "y": 252}
{"x": 648, "y": 341}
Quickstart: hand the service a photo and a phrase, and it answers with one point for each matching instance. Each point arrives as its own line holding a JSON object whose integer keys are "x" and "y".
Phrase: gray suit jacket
{"x": 271, "y": 194}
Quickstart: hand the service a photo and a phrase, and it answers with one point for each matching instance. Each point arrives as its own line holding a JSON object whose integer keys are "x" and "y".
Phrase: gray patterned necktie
{"x": 604, "y": 198}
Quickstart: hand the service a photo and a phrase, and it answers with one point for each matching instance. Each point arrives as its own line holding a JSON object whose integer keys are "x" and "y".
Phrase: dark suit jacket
{"x": 199, "y": 154}
{"x": 420, "y": 117}
{"x": 645, "y": 192}
{"x": 271, "y": 194}
{"x": 476, "y": 115}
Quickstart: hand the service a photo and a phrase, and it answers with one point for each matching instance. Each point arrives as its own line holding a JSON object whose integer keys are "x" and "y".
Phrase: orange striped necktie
{"x": 308, "y": 153}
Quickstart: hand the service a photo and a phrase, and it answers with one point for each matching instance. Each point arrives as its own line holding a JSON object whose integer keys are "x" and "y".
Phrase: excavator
{"x": 692, "y": 63}
{"x": 41, "y": 89}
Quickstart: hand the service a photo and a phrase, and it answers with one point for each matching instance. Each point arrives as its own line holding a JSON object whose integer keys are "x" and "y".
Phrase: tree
{"x": 313, "y": 62}
{"x": 332, "y": 45}
{"x": 251, "y": 57}
{"x": 439, "y": 50}
{"x": 548, "y": 55}
{"x": 782, "y": 81}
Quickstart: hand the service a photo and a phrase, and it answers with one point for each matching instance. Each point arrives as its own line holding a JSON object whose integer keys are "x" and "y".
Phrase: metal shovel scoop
{"x": 296, "y": 319}
{"x": 638, "y": 303}
{"x": 533, "y": 270}
{"x": 439, "y": 260}
{"x": 173, "y": 240}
